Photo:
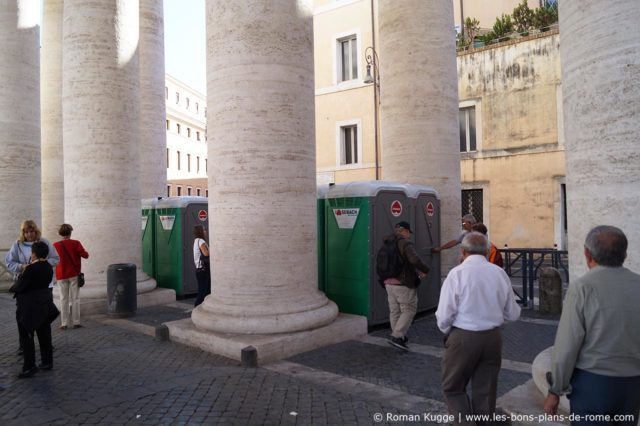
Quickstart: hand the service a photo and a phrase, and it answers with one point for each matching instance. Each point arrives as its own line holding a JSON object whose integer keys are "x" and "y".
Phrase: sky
{"x": 184, "y": 42}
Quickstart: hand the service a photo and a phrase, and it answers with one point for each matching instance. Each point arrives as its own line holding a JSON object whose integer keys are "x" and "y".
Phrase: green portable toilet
{"x": 149, "y": 236}
{"x": 321, "y": 196}
{"x": 175, "y": 219}
{"x": 357, "y": 216}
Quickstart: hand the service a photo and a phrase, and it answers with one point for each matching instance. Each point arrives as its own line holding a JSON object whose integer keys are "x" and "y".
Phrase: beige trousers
{"x": 403, "y": 303}
{"x": 69, "y": 301}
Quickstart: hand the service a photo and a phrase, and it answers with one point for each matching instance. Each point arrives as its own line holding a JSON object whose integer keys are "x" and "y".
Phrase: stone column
{"x": 51, "y": 101}
{"x": 262, "y": 184}
{"x": 419, "y": 104}
{"x": 600, "y": 60}
{"x": 153, "y": 169}
{"x": 100, "y": 96}
{"x": 20, "y": 116}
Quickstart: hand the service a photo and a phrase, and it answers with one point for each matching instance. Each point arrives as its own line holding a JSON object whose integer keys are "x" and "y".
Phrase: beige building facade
{"x": 510, "y": 116}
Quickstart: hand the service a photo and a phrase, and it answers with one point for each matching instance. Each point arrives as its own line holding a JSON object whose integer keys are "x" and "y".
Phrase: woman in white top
{"x": 201, "y": 260}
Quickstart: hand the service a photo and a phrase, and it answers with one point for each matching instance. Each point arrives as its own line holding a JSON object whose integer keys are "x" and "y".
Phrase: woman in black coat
{"x": 35, "y": 309}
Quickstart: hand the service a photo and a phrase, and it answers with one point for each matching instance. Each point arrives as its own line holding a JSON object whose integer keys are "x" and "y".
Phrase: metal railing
{"x": 525, "y": 263}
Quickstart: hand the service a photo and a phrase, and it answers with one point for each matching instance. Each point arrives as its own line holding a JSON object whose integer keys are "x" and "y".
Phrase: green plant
{"x": 523, "y": 17}
{"x": 471, "y": 28}
{"x": 545, "y": 16}
{"x": 502, "y": 26}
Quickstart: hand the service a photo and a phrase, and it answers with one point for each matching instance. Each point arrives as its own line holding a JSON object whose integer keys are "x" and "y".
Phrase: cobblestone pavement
{"x": 107, "y": 374}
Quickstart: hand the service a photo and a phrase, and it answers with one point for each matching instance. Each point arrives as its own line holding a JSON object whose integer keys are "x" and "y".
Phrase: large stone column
{"x": 600, "y": 60}
{"x": 419, "y": 104}
{"x": 262, "y": 184}
{"x": 51, "y": 101}
{"x": 20, "y": 117}
{"x": 153, "y": 169}
{"x": 101, "y": 128}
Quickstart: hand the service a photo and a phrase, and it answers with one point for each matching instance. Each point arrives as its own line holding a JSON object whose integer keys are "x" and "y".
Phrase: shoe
{"x": 45, "y": 366}
{"x": 399, "y": 343}
{"x": 77, "y": 326}
{"x": 28, "y": 373}
{"x": 63, "y": 327}
{"x": 405, "y": 339}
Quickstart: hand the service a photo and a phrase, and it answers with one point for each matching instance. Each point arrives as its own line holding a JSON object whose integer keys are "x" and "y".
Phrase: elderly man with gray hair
{"x": 475, "y": 300}
{"x": 596, "y": 355}
{"x": 468, "y": 220}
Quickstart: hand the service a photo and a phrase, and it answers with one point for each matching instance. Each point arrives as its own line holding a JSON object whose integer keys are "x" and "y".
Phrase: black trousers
{"x": 203, "y": 276}
{"x": 29, "y": 347}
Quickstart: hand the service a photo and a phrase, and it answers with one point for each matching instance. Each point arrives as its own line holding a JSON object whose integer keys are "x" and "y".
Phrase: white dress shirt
{"x": 476, "y": 296}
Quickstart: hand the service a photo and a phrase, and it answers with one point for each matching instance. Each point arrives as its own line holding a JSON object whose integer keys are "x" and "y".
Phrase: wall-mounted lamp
{"x": 373, "y": 76}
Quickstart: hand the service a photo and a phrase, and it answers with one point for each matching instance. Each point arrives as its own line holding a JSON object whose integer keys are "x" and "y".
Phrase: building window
{"x": 168, "y": 124}
{"x": 167, "y": 158}
{"x": 188, "y": 162}
{"x": 198, "y": 164}
{"x": 166, "y": 92}
{"x": 197, "y": 108}
{"x": 348, "y": 58}
{"x": 206, "y": 192}
{"x": 179, "y": 191}
{"x": 178, "y": 127}
{"x": 467, "y": 117}
{"x": 188, "y": 191}
{"x": 472, "y": 203}
{"x": 198, "y": 192}
{"x": 348, "y": 145}
{"x": 177, "y": 97}
{"x": 187, "y": 102}
{"x": 188, "y": 132}
{"x": 178, "y": 157}
{"x": 197, "y": 135}
{"x": 168, "y": 190}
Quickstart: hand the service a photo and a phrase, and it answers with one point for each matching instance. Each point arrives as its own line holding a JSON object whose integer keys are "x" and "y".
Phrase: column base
{"x": 542, "y": 364}
{"x": 270, "y": 347}
{"x": 158, "y": 296}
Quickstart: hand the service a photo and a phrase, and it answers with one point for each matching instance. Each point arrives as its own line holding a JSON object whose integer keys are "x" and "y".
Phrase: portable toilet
{"x": 357, "y": 217}
{"x": 321, "y": 195}
{"x": 149, "y": 236}
{"x": 175, "y": 219}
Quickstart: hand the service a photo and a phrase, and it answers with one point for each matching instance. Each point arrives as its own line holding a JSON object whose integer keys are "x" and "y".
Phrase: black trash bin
{"x": 121, "y": 290}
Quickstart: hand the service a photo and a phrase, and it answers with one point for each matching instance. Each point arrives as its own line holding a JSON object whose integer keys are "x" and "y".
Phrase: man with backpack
{"x": 397, "y": 262}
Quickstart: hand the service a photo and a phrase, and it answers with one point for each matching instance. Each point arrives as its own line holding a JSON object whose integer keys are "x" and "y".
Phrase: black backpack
{"x": 389, "y": 262}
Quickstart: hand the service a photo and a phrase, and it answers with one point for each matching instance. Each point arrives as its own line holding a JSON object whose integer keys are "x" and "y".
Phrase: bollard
{"x": 162, "y": 333}
{"x": 249, "y": 357}
{"x": 550, "y": 285}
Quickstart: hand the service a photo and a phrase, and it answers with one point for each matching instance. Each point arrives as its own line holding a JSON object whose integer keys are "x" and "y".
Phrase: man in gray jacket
{"x": 596, "y": 355}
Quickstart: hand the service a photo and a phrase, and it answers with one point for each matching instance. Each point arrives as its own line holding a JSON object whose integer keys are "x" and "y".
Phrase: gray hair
{"x": 475, "y": 243}
{"x": 469, "y": 218}
{"x": 607, "y": 245}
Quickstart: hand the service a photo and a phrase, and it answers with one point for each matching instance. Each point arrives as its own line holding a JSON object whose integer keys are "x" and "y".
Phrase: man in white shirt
{"x": 475, "y": 300}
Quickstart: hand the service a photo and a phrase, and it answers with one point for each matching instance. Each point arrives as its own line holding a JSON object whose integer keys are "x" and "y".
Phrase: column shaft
{"x": 153, "y": 170}
{"x": 600, "y": 59}
{"x": 419, "y": 104}
{"x": 20, "y": 117}
{"x": 262, "y": 170}
{"x": 101, "y": 133}
{"x": 51, "y": 101}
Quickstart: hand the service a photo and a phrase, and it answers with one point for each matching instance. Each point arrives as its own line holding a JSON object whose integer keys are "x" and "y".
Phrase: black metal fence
{"x": 521, "y": 263}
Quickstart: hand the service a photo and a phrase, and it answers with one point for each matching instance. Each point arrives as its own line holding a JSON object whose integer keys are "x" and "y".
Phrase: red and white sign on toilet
{"x": 429, "y": 209}
{"x": 202, "y": 215}
{"x": 396, "y": 208}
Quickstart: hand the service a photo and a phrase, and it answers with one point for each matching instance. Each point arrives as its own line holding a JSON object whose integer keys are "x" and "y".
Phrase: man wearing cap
{"x": 402, "y": 290}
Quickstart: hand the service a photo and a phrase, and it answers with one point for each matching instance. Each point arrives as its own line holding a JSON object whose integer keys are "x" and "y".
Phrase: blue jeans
{"x": 203, "y": 276}
{"x": 601, "y": 395}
